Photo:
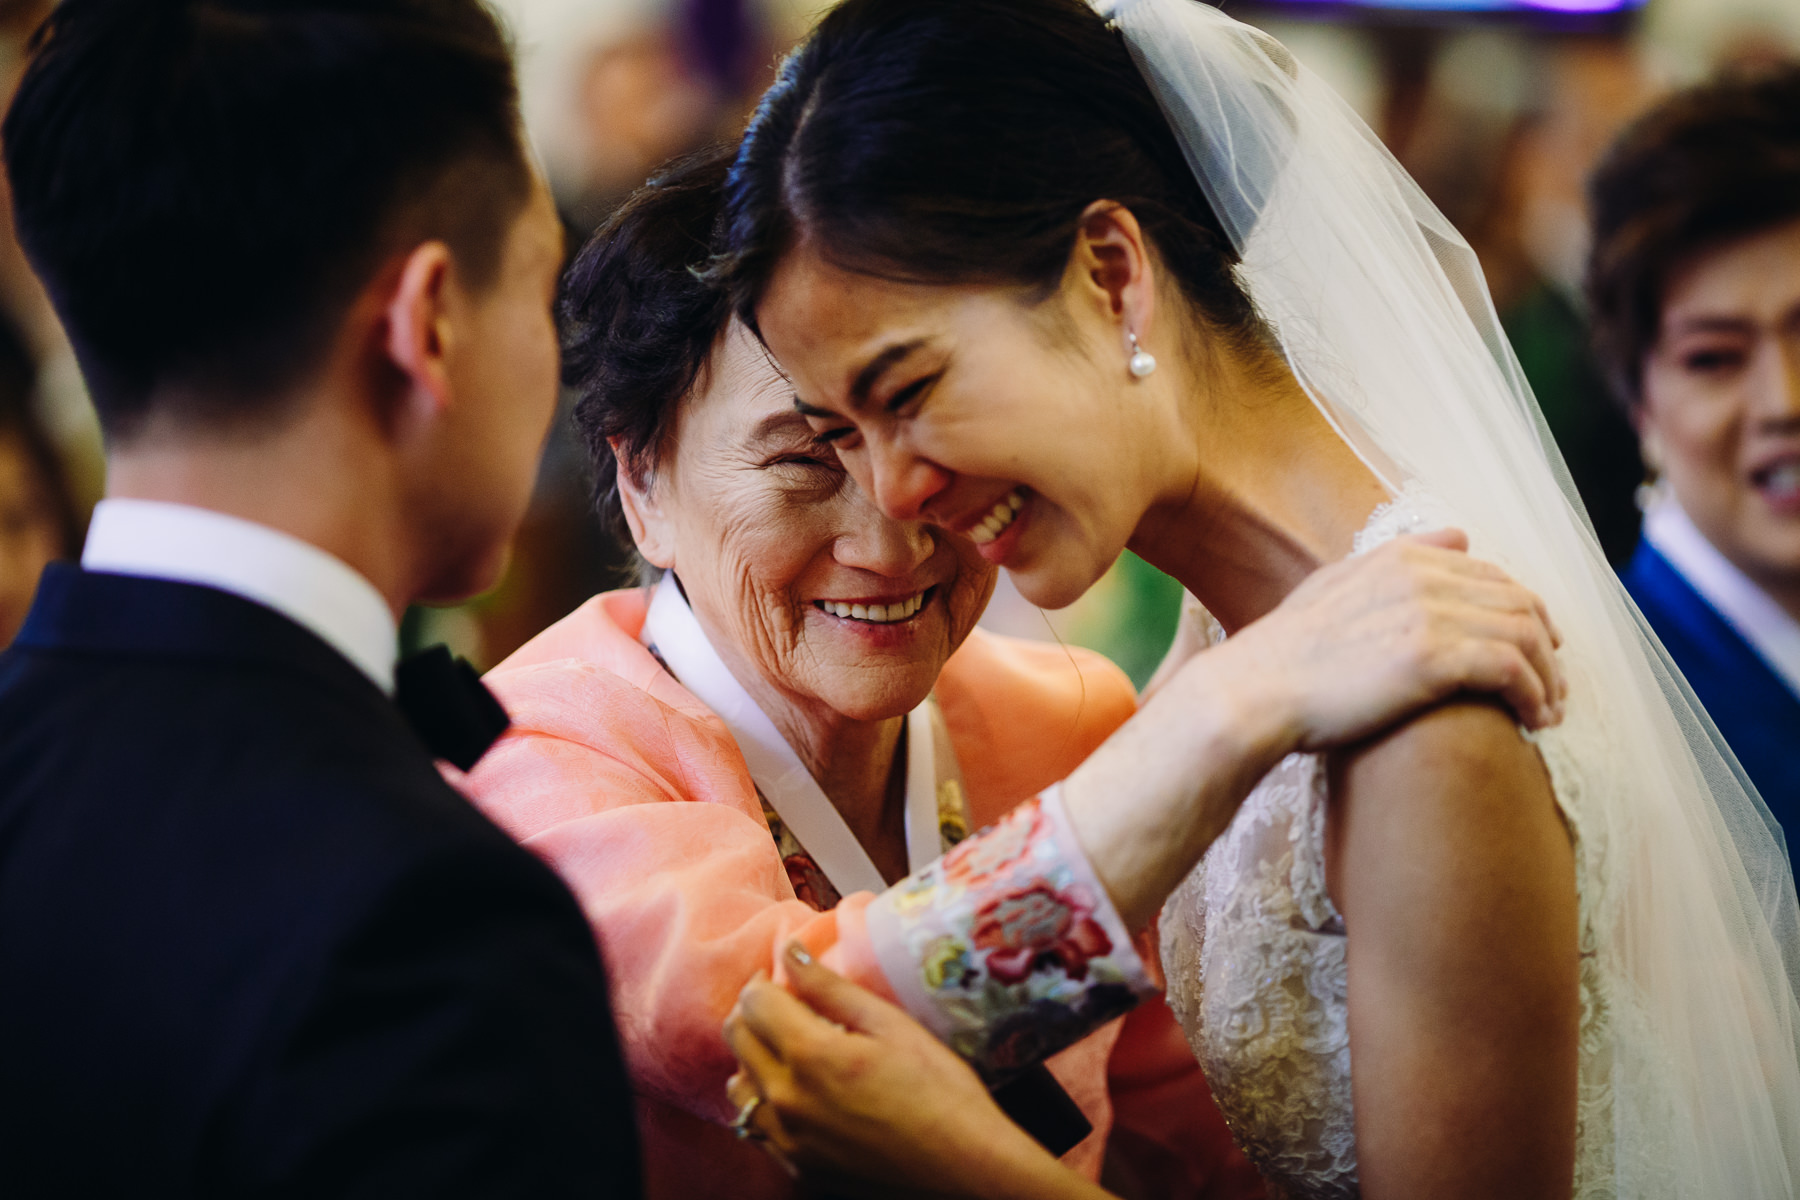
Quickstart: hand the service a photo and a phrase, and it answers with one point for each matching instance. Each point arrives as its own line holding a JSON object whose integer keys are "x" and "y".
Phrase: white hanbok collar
{"x": 783, "y": 779}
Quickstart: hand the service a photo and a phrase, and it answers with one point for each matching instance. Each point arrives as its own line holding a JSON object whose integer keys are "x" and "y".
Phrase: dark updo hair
{"x": 639, "y": 323}
{"x": 959, "y": 141}
{"x": 1707, "y": 166}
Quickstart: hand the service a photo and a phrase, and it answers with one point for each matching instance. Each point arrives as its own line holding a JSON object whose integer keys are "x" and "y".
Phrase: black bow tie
{"x": 448, "y": 706}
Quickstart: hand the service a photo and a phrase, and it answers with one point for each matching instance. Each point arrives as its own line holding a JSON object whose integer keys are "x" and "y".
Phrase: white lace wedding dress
{"x": 1254, "y": 954}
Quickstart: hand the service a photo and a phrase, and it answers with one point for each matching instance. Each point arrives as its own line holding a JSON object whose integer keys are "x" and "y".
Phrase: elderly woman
{"x": 1694, "y": 283}
{"x": 800, "y": 713}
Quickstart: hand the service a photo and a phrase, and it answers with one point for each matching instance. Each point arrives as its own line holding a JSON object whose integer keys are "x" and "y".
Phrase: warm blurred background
{"x": 1498, "y": 108}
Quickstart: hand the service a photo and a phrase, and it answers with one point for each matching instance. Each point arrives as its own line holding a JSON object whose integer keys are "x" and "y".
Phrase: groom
{"x": 250, "y": 943}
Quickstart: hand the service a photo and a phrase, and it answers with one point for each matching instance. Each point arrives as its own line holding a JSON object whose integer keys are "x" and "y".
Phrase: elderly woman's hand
{"x": 1368, "y": 641}
{"x": 852, "y": 1093}
{"x": 1359, "y": 646}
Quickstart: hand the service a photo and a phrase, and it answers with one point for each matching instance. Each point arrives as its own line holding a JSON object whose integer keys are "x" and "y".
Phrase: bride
{"x": 1071, "y": 282}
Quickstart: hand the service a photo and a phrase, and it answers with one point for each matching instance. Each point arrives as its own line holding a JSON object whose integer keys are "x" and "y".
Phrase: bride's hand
{"x": 1368, "y": 641}
{"x": 849, "y": 1091}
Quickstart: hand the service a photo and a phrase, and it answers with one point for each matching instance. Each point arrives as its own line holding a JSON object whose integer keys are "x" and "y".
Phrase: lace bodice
{"x": 1254, "y": 953}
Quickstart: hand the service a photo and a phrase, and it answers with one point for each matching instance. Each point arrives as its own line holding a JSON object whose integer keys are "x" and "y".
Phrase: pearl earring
{"x": 1142, "y": 361}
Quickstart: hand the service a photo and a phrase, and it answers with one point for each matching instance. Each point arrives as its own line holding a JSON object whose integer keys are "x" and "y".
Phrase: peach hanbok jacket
{"x": 639, "y": 797}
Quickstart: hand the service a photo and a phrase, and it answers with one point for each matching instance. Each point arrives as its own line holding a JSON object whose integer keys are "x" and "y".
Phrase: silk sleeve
{"x": 682, "y": 885}
{"x": 1008, "y": 947}
{"x": 657, "y": 830}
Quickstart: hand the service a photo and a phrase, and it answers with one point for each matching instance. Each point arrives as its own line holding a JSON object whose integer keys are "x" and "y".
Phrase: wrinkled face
{"x": 1721, "y": 401}
{"x": 502, "y": 366}
{"x": 1013, "y": 424}
{"x": 794, "y": 574}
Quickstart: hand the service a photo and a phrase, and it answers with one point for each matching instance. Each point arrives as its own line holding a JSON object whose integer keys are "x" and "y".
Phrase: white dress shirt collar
{"x": 303, "y": 583}
{"x": 1770, "y": 630}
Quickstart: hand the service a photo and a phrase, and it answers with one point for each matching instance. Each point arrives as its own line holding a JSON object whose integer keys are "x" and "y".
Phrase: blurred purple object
{"x": 1565, "y": 7}
{"x": 718, "y": 38}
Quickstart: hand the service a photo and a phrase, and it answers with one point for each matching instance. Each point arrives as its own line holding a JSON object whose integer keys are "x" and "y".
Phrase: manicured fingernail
{"x": 798, "y": 953}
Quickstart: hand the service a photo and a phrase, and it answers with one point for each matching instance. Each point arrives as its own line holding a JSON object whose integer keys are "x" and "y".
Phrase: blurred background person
{"x": 37, "y": 515}
{"x": 58, "y": 396}
{"x": 52, "y": 399}
{"x": 1695, "y": 286}
{"x": 51, "y": 466}
{"x": 613, "y": 88}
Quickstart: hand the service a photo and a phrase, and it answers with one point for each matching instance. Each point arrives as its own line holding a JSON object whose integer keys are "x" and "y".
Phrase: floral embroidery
{"x": 1006, "y": 946}
{"x": 811, "y": 887}
{"x": 1024, "y": 929}
{"x": 953, "y": 814}
{"x": 972, "y": 863}
{"x": 947, "y": 963}
{"x": 914, "y": 893}
{"x": 810, "y": 884}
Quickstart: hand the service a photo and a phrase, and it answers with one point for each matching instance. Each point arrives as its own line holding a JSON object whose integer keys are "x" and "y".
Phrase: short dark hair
{"x": 959, "y": 141}
{"x": 1707, "y": 166}
{"x": 640, "y": 323}
{"x": 205, "y": 185}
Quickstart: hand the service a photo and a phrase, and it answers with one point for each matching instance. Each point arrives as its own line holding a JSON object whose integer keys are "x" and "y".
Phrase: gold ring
{"x": 740, "y": 1125}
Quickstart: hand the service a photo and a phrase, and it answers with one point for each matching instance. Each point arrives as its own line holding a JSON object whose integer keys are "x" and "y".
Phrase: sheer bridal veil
{"x": 1382, "y": 312}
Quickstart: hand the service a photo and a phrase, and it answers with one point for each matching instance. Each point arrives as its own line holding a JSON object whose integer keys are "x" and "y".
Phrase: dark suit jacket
{"x": 1750, "y": 704}
{"x": 252, "y": 945}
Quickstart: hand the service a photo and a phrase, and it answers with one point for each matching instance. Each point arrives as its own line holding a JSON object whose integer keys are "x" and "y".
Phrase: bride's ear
{"x": 1113, "y": 266}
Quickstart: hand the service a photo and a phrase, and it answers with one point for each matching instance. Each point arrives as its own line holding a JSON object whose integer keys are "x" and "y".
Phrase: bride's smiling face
{"x": 1013, "y": 423}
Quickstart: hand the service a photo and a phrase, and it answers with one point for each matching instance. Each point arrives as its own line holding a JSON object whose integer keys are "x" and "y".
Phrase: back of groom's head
{"x": 206, "y": 185}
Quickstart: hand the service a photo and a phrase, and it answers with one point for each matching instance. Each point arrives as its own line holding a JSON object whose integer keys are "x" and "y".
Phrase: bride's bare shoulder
{"x": 1448, "y": 859}
{"x": 1459, "y": 794}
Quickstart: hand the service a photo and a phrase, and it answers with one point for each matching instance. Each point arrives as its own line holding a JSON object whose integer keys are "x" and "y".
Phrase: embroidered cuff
{"x": 1007, "y": 947}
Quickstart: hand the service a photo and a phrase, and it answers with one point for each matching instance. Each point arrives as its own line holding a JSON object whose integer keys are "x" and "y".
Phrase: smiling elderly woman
{"x": 800, "y": 712}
